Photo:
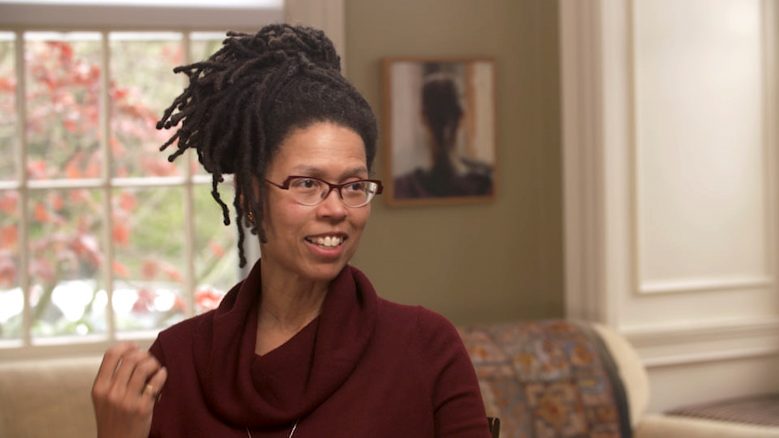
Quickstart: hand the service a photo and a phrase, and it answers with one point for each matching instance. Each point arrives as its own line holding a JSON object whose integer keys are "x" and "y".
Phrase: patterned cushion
{"x": 547, "y": 379}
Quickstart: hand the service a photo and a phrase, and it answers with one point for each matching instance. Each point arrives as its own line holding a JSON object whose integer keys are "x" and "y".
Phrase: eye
{"x": 304, "y": 183}
{"x": 357, "y": 186}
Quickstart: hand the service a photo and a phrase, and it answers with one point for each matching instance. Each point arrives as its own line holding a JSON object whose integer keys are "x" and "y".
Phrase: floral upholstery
{"x": 548, "y": 379}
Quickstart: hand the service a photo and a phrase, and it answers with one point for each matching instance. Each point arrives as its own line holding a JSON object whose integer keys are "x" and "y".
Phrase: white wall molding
{"x": 580, "y": 51}
{"x": 771, "y": 134}
{"x": 704, "y": 285}
{"x": 681, "y": 344}
{"x": 757, "y": 221}
{"x": 139, "y": 17}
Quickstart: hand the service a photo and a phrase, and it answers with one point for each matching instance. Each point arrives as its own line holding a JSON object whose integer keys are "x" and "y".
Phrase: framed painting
{"x": 439, "y": 130}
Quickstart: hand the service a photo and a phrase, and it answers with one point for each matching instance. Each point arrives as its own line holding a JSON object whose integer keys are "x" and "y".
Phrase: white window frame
{"x": 130, "y": 15}
{"x": 20, "y": 17}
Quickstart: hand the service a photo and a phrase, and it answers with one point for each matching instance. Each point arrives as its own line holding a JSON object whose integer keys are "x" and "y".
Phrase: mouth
{"x": 327, "y": 240}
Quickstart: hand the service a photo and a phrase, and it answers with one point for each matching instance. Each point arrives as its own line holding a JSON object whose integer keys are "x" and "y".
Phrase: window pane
{"x": 7, "y": 106}
{"x": 148, "y": 234}
{"x": 203, "y": 45}
{"x": 66, "y": 257}
{"x": 216, "y": 255}
{"x": 63, "y": 89}
{"x": 11, "y": 299}
{"x": 143, "y": 86}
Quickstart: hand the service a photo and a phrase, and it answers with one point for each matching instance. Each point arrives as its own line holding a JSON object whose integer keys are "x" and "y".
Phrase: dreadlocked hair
{"x": 244, "y": 100}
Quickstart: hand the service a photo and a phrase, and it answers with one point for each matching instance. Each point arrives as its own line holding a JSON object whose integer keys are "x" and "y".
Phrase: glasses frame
{"x": 337, "y": 187}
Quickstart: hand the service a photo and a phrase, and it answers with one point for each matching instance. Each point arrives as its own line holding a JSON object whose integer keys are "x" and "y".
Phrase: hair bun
{"x": 286, "y": 41}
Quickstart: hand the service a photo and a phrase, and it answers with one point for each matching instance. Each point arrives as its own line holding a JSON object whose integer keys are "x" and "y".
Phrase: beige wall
{"x": 473, "y": 263}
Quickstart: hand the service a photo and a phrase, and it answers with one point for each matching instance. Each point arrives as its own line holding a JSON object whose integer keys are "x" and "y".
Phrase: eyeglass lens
{"x": 310, "y": 191}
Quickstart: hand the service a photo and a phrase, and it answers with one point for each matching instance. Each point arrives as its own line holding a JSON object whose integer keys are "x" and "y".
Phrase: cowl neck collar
{"x": 286, "y": 384}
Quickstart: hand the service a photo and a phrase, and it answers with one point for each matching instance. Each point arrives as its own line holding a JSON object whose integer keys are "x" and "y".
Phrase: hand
{"x": 125, "y": 390}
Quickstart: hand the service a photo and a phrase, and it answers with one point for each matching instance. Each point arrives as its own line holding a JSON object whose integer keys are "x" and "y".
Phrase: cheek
{"x": 360, "y": 219}
{"x": 291, "y": 218}
{"x": 280, "y": 218}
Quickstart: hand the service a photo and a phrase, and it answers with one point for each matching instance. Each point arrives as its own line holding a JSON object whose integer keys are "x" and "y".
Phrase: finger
{"x": 153, "y": 388}
{"x": 125, "y": 370}
{"x": 110, "y": 361}
{"x": 142, "y": 373}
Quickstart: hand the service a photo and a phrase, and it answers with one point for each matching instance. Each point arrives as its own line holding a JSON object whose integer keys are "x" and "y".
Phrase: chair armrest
{"x": 631, "y": 370}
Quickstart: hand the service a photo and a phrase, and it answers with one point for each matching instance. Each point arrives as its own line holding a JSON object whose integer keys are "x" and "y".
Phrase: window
{"x": 100, "y": 236}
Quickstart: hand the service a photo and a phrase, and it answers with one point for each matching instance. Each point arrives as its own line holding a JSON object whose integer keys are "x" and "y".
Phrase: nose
{"x": 332, "y": 207}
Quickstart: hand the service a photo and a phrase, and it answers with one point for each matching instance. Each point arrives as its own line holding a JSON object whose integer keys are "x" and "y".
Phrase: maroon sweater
{"x": 365, "y": 367}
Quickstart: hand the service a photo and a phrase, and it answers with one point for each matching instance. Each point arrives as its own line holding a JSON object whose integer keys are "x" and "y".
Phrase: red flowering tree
{"x": 67, "y": 227}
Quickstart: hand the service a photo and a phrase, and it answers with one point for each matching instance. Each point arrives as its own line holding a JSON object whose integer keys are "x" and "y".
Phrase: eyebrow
{"x": 317, "y": 172}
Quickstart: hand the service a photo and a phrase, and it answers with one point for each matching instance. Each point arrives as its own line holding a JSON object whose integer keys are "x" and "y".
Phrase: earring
{"x": 250, "y": 217}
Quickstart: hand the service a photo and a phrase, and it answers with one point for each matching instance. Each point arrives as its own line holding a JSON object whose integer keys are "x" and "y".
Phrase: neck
{"x": 287, "y": 304}
{"x": 442, "y": 164}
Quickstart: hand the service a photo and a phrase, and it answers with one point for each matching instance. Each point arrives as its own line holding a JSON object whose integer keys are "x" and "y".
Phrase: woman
{"x": 449, "y": 175}
{"x": 303, "y": 346}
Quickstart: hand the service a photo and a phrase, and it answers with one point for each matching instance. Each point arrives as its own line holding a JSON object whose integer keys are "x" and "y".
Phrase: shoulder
{"x": 396, "y": 312}
{"x": 177, "y": 339}
{"x": 429, "y": 333}
{"x": 476, "y": 167}
{"x": 186, "y": 327}
{"x": 411, "y": 184}
{"x": 428, "y": 322}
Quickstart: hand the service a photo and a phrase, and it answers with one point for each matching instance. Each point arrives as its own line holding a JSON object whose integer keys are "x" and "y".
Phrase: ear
{"x": 242, "y": 203}
{"x": 256, "y": 188}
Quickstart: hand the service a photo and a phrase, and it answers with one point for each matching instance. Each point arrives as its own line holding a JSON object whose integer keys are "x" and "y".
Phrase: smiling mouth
{"x": 326, "y": 241}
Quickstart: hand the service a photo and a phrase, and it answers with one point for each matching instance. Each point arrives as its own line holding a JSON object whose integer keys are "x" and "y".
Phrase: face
{"x": 300, "y": 238}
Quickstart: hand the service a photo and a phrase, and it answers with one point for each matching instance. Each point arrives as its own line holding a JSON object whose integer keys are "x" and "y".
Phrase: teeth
{"x": 328, "y": 241}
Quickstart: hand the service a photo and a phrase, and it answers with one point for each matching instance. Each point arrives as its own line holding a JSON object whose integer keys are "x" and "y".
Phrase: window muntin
{"x": 100, "y": 212}
{"x": 7, "y": 109}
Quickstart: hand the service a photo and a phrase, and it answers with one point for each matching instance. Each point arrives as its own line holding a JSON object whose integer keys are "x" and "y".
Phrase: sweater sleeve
{"x": 156, "y": 351}
{"x": 445, "y": 365}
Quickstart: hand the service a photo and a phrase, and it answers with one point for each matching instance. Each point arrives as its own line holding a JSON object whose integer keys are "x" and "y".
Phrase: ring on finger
{"x": 150, "y": 389}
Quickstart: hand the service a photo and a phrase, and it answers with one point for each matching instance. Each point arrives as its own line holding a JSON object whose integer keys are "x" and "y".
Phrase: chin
{"x": 325, "y": 272}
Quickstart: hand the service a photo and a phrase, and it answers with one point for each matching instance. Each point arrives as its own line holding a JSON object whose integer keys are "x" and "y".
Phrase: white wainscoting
{"x": 685, "y": 384}
{"x": 702, "y": 205}
{"x": 669, "y": 132}
{"x": 675, "y": 344}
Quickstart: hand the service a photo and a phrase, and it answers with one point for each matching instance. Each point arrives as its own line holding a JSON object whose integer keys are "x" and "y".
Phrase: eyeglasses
{"x": 307, "y": 190}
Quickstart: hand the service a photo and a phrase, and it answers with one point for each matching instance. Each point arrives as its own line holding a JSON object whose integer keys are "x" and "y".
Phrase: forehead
{"x": 322, "y": 145}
